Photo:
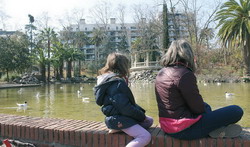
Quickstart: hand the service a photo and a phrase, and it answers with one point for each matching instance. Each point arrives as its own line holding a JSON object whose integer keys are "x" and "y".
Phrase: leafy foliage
{"x": 234, "y": 24}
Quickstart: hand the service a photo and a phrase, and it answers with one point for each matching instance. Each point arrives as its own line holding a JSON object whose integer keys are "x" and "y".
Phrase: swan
{"x": 218, "y": 83}
{"x": 22, "y": 105}
{"x": 81, "y": 88}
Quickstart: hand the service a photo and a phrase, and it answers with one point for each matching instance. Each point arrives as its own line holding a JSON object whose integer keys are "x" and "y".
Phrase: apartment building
{"x": 177, "y": 27}
{"x": 6, "y": 33}
{"x": 116, "y": 30}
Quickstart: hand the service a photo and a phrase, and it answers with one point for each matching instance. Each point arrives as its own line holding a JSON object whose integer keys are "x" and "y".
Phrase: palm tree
{"x": 207, "y": 34}
{"x": 57, "y": 59}
{"x": 234, "y": 24}
{"x": 48, "y": 35}
{"x": 71, "y": 54}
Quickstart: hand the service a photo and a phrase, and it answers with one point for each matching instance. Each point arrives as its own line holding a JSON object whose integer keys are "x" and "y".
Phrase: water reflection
{"x": 76, "y": 101}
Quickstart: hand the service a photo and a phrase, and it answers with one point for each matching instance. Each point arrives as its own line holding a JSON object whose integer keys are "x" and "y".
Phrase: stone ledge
{"x": 48, "y": 132}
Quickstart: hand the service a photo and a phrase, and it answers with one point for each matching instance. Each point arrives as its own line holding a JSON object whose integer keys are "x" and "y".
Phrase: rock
{"x": 27, "y": 79}
{"x": 144, "y": 76}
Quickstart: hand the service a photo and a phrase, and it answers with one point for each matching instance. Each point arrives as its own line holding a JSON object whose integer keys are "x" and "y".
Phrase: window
{"x": 132, "y": 28}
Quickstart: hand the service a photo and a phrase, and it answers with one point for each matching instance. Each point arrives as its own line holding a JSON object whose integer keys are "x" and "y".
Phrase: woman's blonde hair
{"x": 179, "y": 51}
{"x": 117, "y": 63}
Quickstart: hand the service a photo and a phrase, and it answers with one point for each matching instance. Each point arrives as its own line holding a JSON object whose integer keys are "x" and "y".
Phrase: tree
{"x": 123, "y": 45}
{"x": 165, "y": 26}
{"x": 80, "y": 39}
{"x": 48, "y": 35}
{"x": 207, "y": 34}
{"x": 22, "y": 57}
{"x": 3, "y": 19}
{"x": 14, "y": 54}
{"x": 196, "y": 24}
{"x": 57, "y": 59}
{"x": 6, "y": 55}
{"x": 40, "y": 58}
{"x": 71, "y": 54}
{"x": 234, "y": 24}
{"x": 97, "y": 39}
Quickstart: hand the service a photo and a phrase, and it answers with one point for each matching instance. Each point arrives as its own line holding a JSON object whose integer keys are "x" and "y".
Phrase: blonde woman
{"x": 182, "y": 111}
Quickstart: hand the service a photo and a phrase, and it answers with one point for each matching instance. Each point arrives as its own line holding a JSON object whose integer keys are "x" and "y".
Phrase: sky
{"x": 18, "y": 10}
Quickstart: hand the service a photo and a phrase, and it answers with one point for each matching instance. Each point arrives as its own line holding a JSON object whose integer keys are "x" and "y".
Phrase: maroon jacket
{"x": 177, "y": 93}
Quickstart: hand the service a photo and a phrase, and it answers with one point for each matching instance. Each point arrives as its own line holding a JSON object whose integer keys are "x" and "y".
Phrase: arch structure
{"x": 146, "y": 60}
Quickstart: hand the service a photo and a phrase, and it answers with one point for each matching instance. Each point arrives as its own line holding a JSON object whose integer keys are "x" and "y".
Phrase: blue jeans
{"x": 210, "y": 121}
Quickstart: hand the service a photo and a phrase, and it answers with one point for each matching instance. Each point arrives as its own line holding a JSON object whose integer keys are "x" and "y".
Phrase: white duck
{"x": 227, "y": 94}
{"x": 79, "y": 93}
{"x": 85, "y": 99}
{"x": 25, "y": 104}
{"x": 20, "y": 91}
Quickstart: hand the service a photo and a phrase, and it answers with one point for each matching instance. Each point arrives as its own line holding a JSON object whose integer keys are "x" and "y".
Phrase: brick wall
{"x": 48, "y": 132}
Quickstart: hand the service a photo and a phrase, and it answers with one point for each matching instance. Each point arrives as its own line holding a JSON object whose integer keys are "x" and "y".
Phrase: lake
{"x": 76, "y": 101}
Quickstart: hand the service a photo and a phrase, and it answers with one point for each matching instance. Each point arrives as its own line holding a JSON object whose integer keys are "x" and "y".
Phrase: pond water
{"x": 76, "y": 101}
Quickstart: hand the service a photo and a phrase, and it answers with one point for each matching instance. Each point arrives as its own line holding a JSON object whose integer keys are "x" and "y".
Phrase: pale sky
{"x": 18, "y": 10}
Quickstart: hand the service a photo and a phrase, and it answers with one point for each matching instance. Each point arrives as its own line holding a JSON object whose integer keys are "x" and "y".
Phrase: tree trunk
{"x": 80, "y": 67}
{"x": 48, "y": 78}
{"x": 57, "y": 74}
{"x": 69, "y": 68}
{"x": 247, "y": 57}
{"x": 225, "y": 56}
{"x": 61, "y": 71}
{"x": 43, "y": 72}
{"x": 7, "y": 72}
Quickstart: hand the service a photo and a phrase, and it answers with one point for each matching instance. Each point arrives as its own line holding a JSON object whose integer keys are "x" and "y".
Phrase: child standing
{"x": 118, "y": 103}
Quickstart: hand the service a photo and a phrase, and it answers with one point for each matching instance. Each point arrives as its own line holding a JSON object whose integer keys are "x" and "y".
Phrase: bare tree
{"x": 3, "y": 18}
{"x": 43, "y": 21}
{"x": 197, "y": 20}
{"x": 102, "y": 13}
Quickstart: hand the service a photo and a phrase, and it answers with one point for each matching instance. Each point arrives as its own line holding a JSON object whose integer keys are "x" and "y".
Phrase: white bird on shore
{"x": 25, "y": 104}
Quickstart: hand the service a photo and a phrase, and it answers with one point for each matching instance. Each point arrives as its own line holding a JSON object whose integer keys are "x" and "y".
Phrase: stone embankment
{"x": 148, "y": 76}
{"x": 144, "y": 76}
{"x": 36, "y": 79}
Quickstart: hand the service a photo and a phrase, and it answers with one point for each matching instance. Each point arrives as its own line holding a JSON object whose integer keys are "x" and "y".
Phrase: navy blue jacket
{"x": 118, "y": 104}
